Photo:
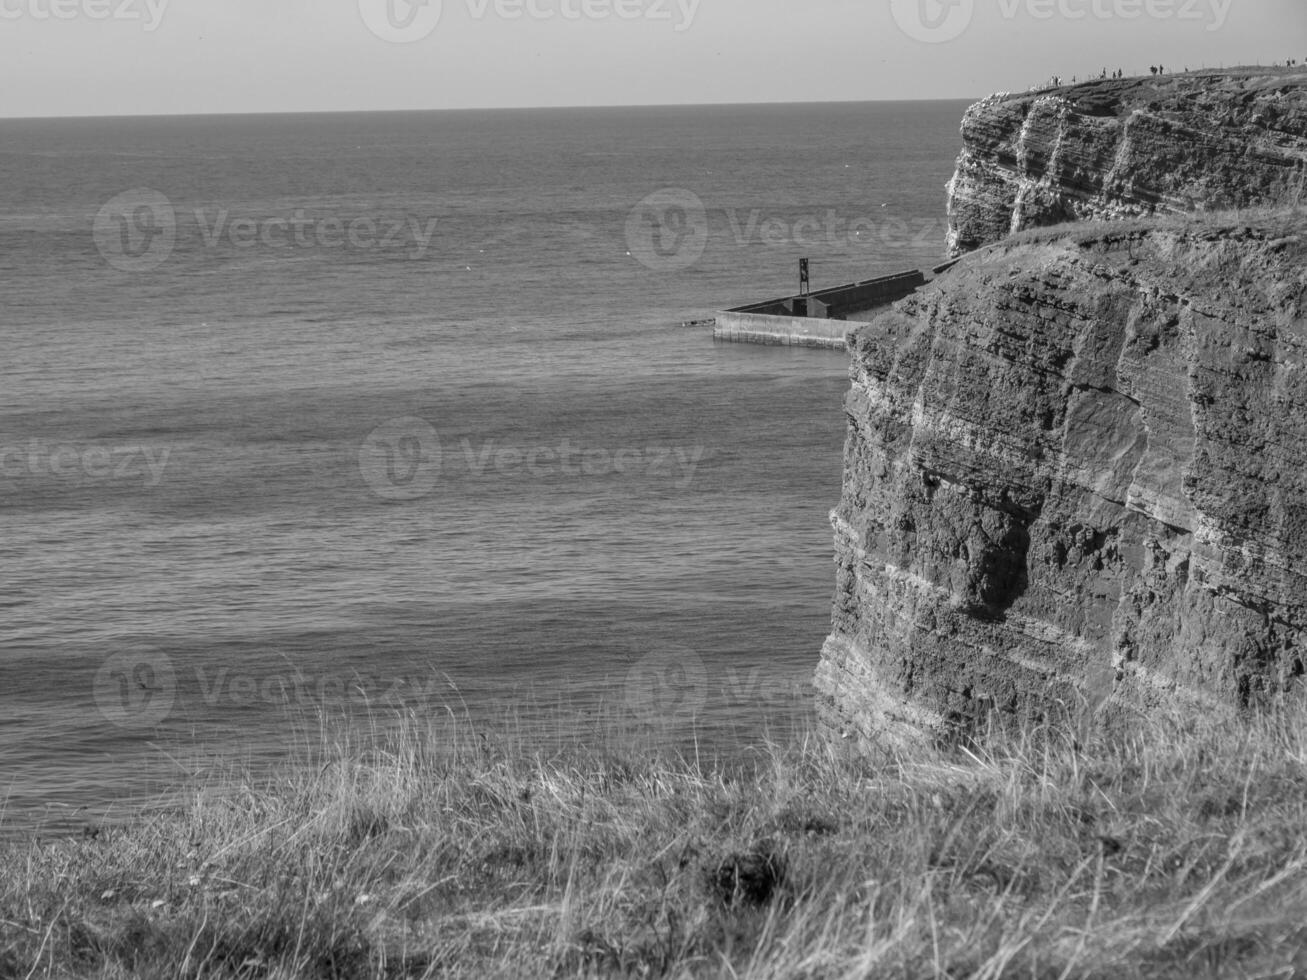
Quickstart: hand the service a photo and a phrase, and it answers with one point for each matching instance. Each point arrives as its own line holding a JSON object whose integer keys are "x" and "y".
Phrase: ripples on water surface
{"x": 211, "y": 568}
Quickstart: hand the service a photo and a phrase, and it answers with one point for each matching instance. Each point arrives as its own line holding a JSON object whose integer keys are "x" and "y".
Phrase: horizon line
{"x": 1275, "y": 67}
{"x": 505, "y": 108}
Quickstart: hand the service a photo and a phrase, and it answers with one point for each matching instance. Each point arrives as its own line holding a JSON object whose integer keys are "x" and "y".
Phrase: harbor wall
{"x": 869, "y": 294}
{"x": 787, "y": 331}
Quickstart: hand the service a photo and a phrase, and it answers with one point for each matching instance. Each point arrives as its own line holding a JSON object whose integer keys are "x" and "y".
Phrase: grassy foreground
{"x": 1180, "y": 852}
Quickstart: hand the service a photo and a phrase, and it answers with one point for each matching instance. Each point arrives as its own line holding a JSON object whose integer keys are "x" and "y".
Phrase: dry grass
{"x": 1178, "y": 852}
{"x": 1285, "y": 218}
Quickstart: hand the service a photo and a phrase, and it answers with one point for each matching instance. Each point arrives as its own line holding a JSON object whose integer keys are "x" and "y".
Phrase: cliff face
{"x": 1076, "y": 471}
{"x": 1129, "y": 147}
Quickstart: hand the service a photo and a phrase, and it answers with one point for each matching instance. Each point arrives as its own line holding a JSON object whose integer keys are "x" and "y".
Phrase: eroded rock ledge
{"x": 1076, "y": 473}
{"x": 1129, "y": 147}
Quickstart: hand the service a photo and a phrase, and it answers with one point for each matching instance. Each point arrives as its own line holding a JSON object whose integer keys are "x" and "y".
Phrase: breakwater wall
{"x": 786, "y": 331}
{"x": 858, "y": 297}
{"x": 820, "y": 319}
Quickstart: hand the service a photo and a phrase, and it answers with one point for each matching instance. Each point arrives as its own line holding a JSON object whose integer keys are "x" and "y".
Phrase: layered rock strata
{"x": 1129, "y": 147}
{"x": 1076, "y": 479}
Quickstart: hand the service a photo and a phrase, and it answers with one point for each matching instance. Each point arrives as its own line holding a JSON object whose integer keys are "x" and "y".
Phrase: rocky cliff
{"x": 1076, "y": 475}
{"x": 1129, "y": 147}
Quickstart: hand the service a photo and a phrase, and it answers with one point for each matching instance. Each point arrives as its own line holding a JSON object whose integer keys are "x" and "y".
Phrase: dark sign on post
{"x": 804, "y": 283}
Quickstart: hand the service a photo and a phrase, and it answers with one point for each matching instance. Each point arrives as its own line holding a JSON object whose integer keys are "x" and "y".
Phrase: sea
{"x": 323, "y": 421}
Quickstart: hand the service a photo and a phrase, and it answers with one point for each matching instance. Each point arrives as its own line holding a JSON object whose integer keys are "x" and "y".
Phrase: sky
{"x": 130, "y": 57}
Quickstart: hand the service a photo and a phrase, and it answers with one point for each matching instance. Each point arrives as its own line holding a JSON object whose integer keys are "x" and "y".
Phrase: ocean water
{"x": 379, "y": 415}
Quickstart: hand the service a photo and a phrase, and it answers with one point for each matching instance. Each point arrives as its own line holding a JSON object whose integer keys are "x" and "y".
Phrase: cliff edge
{"x": 1076, "y": 473}
{"x": 1129, "y": 147}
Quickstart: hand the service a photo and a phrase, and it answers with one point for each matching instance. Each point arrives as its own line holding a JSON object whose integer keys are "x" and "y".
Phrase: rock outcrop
{"x": 1076, "y": 470}
{"x": 1129, "y": 147}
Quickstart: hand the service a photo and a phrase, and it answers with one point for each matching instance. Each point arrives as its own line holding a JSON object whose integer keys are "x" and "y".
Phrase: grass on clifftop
{"x": 1288, "y": 219}
{"x": 1178, "y": 852}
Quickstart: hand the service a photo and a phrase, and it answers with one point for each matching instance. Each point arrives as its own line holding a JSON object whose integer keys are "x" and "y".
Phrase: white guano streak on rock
{"x": 894, "y": 718}
{"x": 1166, "y": 689}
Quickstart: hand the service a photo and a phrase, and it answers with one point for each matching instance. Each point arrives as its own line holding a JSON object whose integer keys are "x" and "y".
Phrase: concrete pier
{"x": 787, "y": 331}
{"x": 820, "y": 319}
